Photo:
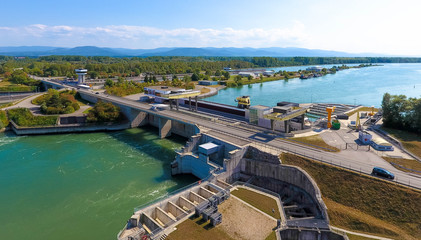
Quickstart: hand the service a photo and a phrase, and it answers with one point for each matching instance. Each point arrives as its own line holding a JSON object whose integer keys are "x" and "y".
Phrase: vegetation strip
{"x": 24, "y": 118}
{"x": 406, "y": 165}
{"x": 410, "y": 141}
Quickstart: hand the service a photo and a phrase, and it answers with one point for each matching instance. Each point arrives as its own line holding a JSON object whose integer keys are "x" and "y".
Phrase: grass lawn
{"x": 272, "y": 236}
{"x": 259, "y": 201}
{"x": 316, "y": 140}
{"x": 196, "y": 228}
{"x": 5, "y": 83}
{"x": 407, "y": 163}
{"x": 87, "y": 110}
{"x": 410, "y": 141}
{"x": 364, "y": 203}
{"x": 204, "y": 90}
{"x": 4, "y": 105}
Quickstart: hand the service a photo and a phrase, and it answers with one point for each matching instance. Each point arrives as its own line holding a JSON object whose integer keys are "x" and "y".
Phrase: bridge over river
{"x": 186, "y": 123}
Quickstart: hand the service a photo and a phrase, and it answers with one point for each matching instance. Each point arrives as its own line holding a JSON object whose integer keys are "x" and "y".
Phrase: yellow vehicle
{"x": 243, "y": 102}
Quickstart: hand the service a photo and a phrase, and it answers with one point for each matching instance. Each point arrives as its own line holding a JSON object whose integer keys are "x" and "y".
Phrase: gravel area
{"x": 240, "y": 221}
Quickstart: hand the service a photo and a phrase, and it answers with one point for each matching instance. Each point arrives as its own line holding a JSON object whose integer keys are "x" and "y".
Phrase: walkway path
{"x": 359, "y": 234}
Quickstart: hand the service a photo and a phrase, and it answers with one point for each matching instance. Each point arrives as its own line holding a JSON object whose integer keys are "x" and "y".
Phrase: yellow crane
{"x": 329, "y": 111}
{"x": 243, "y": 102}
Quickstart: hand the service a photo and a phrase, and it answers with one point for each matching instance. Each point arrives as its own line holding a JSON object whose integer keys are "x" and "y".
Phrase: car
{"x": 381, "y": 172}
{"x": 97, "y": 93}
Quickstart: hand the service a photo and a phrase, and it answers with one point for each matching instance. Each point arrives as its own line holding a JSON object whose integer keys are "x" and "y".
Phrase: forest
{"x": 106, "y": 67}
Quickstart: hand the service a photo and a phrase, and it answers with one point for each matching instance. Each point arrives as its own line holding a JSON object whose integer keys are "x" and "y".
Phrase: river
{"x": 81, "y": 186}
{"x": 85, "y": 186}
{"x": 364, "y": 86}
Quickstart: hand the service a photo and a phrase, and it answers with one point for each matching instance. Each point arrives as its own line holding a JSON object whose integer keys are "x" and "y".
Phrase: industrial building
{"x": 381, "y": 145}
{"x": 285, "y": 117}
{"x": 162, "y": 94}
{"x": 207, "y": 82}
{"x": 315, "y": 69}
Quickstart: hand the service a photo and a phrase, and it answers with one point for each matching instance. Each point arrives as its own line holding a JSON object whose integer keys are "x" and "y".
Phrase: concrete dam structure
{"x": 221, "y": 165}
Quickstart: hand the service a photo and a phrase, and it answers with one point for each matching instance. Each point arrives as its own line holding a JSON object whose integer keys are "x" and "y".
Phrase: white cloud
{"x": 150, "y": 37}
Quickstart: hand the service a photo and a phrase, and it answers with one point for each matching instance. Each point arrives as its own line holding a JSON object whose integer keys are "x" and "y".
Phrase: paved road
{"x": 231, "y": 132}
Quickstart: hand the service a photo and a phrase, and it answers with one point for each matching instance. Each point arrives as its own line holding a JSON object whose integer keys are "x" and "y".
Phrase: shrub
{"x": 75, "y": 106}
{"x": 104, "y": 112}
{"x": 23, "y": 117}
{"x": 55, "y": 102}
{"x": 4, "y": 122}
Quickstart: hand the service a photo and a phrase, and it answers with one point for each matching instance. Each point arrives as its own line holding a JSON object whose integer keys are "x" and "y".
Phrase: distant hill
{"x": 36, "y": 51}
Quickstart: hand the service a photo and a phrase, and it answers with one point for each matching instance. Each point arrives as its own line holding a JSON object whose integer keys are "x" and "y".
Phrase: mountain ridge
{"x": 37, "y": 51}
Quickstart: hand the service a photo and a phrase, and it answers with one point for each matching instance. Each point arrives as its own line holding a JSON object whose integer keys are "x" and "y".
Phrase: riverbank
{"x": 363, "y": 86}
{"x": 235, "y": 81}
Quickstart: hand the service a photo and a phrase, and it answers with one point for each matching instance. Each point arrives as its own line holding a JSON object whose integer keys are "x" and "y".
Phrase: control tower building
{"x": 81, "y": 75}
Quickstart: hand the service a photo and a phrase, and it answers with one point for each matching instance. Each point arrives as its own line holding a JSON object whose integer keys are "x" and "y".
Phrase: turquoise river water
{"x": 364, "y": 86}
{"x": 85, "y": 186}
{"x": 81, "y": 186}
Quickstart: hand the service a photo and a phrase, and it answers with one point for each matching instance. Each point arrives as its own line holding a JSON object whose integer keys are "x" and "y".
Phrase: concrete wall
{"x": 289, "y": 174}
{"x": 149, "y": 222}
{"x": 192, "y": 144}
{"x": 164, "y": 127}
{"x": 194, "y": 197}
{"x": 205, "y": 193}
{"x": 232, "y": 165}
{"x": 67, "y": 129}
{"x": 184, "y": 202}
{"x": 163, "y": 216}
{"x": 254, "y": 153}
{"x": 175, "y": 210}
{"x": 302, "y": 234}
{"x": 192, "y": 164}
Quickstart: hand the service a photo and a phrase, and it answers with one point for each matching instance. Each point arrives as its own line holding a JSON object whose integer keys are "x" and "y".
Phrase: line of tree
{"x": 104, "y": 67}
{"x": 401, "y": 112}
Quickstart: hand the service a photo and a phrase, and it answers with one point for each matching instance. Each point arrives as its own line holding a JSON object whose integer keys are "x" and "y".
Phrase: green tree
{"x": 104, "y": 112}
{"x": 93, "y": 74}
{"x": 109, "y": 83}
{"x": 195, "y": 77}
{"x": 226, "y": 75}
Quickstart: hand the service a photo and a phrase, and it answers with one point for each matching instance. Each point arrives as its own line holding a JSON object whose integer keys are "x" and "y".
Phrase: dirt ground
{"x": 240, "y": 221}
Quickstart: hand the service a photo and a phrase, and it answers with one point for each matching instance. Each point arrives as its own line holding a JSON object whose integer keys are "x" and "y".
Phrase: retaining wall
{"x": 288, "y": 174}
{"x": 66, "y": 128}
{"x": 302, "y": 234}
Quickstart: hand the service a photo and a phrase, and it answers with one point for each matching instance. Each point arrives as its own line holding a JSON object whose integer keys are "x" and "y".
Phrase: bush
{"x": 231, "y": 84}
{"x": 104, "y": 112}
{"x": 75, "y": 106}
{"x": 23, "y": 117}
{"x": 55, "y": 102}
{"x": 4, "y": 122}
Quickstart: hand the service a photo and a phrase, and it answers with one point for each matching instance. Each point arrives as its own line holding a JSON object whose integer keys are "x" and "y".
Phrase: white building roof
{"x": 208, "y": 146}
{"x": 381, "y": 141}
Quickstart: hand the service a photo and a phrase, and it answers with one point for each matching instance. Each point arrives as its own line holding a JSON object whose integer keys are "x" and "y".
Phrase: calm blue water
{"x": 364, "y": 86}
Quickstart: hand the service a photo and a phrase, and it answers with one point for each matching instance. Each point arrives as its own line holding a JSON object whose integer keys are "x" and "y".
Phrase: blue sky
{"x": 358, "y": 26}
